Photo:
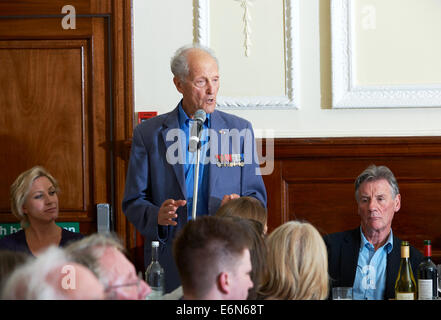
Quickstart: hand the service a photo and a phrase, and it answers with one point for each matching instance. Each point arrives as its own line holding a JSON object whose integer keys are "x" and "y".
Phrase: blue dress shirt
{"x": 370, "y": 277}
{"x": 185, "y": 124}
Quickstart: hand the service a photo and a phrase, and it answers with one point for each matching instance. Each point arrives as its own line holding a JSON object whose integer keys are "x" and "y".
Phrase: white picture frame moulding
{"x": 201, "y": 34}
{"x": 345, "y": 94}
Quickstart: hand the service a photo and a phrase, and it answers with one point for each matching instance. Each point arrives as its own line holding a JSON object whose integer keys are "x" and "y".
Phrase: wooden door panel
{"x": 54, "y": 7}
{"x": 30, "y": 7}
{"x": 45, "y": 114}
{"x": 91, "y": 152}
{"x": 101, "y": 144}
{"x": 56, "y": 102}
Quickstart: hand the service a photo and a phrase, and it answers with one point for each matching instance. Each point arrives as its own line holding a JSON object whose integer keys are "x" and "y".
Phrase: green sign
{"x": 9, "y": 228}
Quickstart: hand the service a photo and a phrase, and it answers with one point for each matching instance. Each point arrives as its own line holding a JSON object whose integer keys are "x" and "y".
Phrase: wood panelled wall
{"x": 313, "y": 180}
{"x": 67, "y": 103}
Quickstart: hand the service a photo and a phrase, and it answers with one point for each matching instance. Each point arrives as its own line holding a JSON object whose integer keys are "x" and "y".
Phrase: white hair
{"x": 31, "y": 281}
{"x": 89, "y": 250}
{"x": 179, "y": 64}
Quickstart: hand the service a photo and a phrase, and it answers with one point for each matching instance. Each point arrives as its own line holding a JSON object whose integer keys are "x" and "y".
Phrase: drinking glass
{"x": 342, "y": 293}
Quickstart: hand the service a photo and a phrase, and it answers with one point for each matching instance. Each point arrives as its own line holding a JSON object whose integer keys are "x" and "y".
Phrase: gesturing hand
{"x": 229, "y": 197}
{"x": 167, "y": 212}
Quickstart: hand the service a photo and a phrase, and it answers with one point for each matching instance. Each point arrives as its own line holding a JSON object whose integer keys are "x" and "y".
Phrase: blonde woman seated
{"x": 297, "y": 267}
{"x": 34, "y": 201}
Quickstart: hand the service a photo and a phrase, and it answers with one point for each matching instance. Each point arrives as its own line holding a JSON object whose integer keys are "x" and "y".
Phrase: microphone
{"x": 196, "y": 129}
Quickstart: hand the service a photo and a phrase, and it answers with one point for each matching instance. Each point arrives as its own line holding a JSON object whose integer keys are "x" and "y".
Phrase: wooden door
{"x": 64, "y": 104}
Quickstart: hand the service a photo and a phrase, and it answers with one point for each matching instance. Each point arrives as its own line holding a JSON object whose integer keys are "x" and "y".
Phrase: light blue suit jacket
{"x": 151, "y": 179}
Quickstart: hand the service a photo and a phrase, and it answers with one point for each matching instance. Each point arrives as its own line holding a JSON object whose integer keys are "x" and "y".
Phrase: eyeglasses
{"x": 124, "y": 291}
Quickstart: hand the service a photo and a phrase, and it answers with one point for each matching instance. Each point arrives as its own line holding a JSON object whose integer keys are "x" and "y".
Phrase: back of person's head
{"x": 297, "y": 264}
{"x": 20, "y": 189}
{"x": 104, "y": 255}
{"x": 9, "y": 261}
{"x": 258, "y": 251}
{"x": 245, "y": 207}
{"x": 52, "y": 276}
{"x": 375, "y": 173}
{"x": 205, "y": 248}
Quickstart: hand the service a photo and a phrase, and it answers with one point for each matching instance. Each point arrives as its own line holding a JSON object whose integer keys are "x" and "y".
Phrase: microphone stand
{"x": 196, "y": 181}
{"x": 200, "y": 117}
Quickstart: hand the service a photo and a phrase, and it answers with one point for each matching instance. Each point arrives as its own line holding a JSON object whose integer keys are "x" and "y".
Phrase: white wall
{"x": 160, "y": 27}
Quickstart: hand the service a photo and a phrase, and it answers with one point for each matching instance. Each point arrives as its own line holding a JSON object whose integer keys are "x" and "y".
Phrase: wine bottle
{"x": 427, "y": 275}
{"x": 154, "y": 275}
{"x": 405, "y": 287}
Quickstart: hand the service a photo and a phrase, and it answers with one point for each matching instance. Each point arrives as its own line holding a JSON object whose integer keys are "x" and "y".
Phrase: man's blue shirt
{"x": 370, "y": 278}
{"x": 185, "y": 124}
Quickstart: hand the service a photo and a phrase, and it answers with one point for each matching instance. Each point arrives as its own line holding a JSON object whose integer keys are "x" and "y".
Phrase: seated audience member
{"x": 258, "y": 251}
{"x": 103, "y": 255}
{"x": 367, "y": 258}
{"x": 34, "y": 202}
{"x": 9, "y": 261}
{"x": 245, "y": 207}
{"x": 257, "y": 254}
{"x": 255, "y": 215}
{"x": 52, "y": 276}
{"x": 297, "y": 264}
{"x": 213, "y": 259}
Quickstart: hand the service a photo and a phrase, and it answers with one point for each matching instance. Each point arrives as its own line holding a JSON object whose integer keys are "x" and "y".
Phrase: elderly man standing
{"x": 368, "y": 257}
{"x": 158, "y": 197}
